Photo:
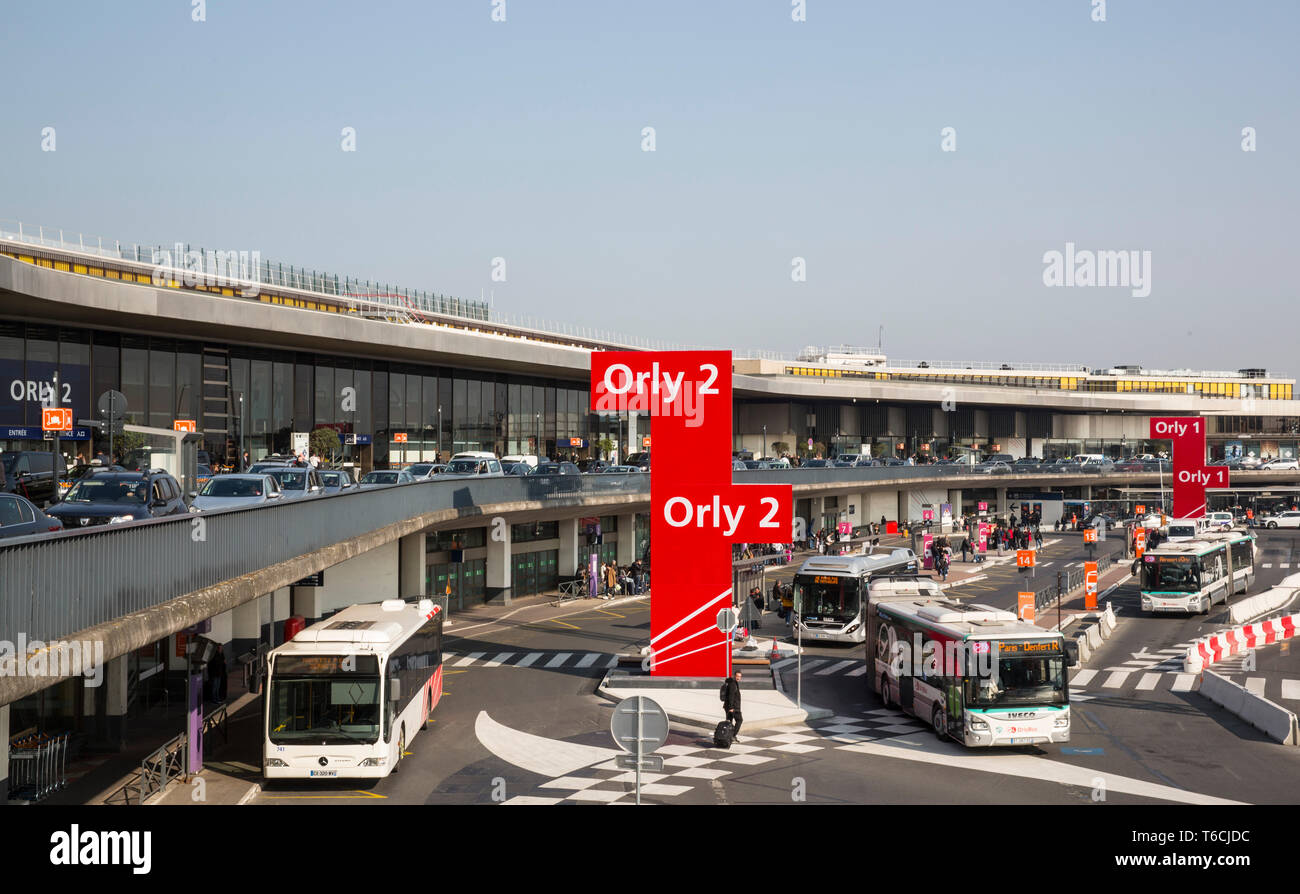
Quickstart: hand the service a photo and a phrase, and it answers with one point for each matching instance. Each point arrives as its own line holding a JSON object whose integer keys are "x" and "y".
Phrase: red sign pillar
{"x": 1191, "y": 476}
{"x": 696, "y": 513}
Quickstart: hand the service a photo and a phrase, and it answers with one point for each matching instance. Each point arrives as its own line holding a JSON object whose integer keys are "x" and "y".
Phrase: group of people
{"x": 612, "y": 579}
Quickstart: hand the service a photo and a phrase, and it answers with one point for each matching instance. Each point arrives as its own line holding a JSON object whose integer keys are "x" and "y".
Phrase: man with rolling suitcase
{"x": 728, "y": 731}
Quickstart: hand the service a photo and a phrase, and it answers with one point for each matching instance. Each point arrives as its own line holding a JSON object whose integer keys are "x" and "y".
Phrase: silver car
{"x": 225, "y": 491}
{"x": 338, "y": 481}
{"x": 467, "y": 467}
{"x": 385, "y": 477}
{"x": 297, "y": 483}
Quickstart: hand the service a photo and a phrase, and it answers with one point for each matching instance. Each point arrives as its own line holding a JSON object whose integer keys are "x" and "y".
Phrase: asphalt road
{"x": 520, "y": 723}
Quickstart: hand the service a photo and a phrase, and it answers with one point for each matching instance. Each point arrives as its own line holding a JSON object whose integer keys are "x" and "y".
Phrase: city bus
{"x": 829, "y": 591}
{"x": 347, "y": 695}
{"x": 977, "y": 674}
{"x": 1192, "y": 575}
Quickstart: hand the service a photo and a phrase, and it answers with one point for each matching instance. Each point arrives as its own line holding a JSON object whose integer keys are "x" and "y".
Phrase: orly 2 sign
{"x": 23, "y": 391}
{"x": 696, "y": 513}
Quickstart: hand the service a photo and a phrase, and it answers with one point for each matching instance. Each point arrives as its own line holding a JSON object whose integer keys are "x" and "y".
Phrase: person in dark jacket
{"x": 217, "y": 675}
{"x": 731, "y": 704}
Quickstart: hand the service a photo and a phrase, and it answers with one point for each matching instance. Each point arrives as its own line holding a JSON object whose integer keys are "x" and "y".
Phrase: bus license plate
{"x": 324, "y": 772}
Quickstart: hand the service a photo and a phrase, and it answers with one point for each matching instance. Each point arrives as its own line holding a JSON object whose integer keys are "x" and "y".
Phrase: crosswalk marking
{"x": 613, "y": 661}
{"x": 469, "y": 659}
{"x": 1266, "y": 565}
{"x": 1255, "y": 685}
{"x": 1291, "y": 689}
{"x": 528, "y": 659}
{"x": 1183, "y": 683}
{"x": 857, "y": 672}
{"x": 835, "y": 667}
{"x": 1148, "y": 681}
{"x": 1116, "y": 679}
{"x": 1081, "y": 678}
{"x": 559, "y": 659}
{"x": 589, "y": 659}
{"x": 499, "y": 659}
{"x": 809, "y": 665}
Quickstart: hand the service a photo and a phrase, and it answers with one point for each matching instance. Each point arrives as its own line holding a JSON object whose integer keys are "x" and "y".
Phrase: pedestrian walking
{"x": 965, "y": 547}
{"x": 217, "y": 676}
{"x": 731, "y": 704}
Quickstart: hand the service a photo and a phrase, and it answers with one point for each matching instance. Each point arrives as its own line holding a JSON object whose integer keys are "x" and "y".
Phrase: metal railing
{"x": 38, "y": 766}
{"x": 1071, "y": 580}
{"x": 163, "y": 766}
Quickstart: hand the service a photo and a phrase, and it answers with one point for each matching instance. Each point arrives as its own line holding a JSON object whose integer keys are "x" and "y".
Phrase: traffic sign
{"x": 112, "y": 403}
{"x": 1025, "y": 558}
{"x": 399, "y": 437}
{"x": 1140, "y": 509}
{"x": 654, "y": 763}
{"x": 727, "y": 620}
{"x": 639, "y": 724}
{"x": 184, "y": 425}
{"x": 1089, "y": 535}
{"x": 645, "y": 442}
{"x": 56, "y": 418}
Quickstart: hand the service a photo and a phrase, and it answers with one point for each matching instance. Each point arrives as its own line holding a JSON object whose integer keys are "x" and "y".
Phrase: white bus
{"x": 979, "y": 675}
{"x": 1192, "y": 575}
{"x": 347, "y": 695}
{"x": 829, "y": 591}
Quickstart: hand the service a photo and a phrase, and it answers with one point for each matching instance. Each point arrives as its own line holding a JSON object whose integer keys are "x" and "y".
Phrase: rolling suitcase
{"x": 723, "y": 735}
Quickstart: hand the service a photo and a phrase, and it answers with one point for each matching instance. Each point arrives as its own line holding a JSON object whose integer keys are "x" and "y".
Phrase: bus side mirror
{"x": 394, "y": 689}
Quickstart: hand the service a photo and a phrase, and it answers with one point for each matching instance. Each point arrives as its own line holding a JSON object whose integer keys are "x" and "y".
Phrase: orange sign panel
{"x": 399, "y": 437}
{"x": 1025, "y": 606}
{"x": 1140, "y": 509}
{"x": 1089, "y": 585}
{"x": 184, "y": 425}
{"x": 1089, "y": 535}
{"x": 645, "y": 442}
{"x": 1024, "y": 558}
{"x": 56, "y": 418}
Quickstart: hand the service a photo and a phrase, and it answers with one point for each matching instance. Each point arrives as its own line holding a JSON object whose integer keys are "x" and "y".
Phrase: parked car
{"x": 993, "y": 467}
{"x": 738, "y": 465}
{"x": 519, "y": 469}
{"x": 1275, "y": 464}
{"x": 79, "y": 471}
{"x": 529, "y": 459}
{"x": 266, "y": 465}
{"x": 628, "y": 470}
{"x": 382, "y": 477}
{"x": 297, "y": 482}
{"x": 113, "y": 497}
{"x": 226, "y": 491}
{"x": 338, "y": 481}
{"x": 640, "y": 460}
{"x": 33, "y": 474}
{"x": 1220, "y": 520}
{"x": 563, "y": 468}
{"x": 424, "y": 470}
{"x": 473, "y": 467}
{"x": 1287, "y": 519}
{"x": 20, "y": 517}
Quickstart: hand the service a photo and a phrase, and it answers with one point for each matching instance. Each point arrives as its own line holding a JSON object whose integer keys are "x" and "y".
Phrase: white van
{"x": 477, "y": 464}
{"x": 528, "y": 459}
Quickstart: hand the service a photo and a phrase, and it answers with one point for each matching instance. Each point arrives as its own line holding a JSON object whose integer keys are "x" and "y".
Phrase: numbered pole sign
{"x": 1089, "y": 585}
{"x": 1025, "y": 558}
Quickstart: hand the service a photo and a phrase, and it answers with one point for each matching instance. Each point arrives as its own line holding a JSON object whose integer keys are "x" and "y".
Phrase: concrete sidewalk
{"x": 761, "y": 708}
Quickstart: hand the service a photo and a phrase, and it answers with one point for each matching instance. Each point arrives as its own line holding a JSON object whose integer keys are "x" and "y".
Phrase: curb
{"x": 808, "y": 713}
{"x": 253, "y": 791}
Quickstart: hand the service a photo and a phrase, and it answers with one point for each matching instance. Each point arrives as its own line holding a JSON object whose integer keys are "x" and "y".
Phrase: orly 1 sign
{"x": 1191, "y": 476}
{"x": 696, "y": 513}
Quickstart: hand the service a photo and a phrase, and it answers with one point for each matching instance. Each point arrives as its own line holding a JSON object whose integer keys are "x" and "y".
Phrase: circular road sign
{"x": 116, "y": 399}
{"x": 642, "y": 712}
{"x": 727, "y": 620}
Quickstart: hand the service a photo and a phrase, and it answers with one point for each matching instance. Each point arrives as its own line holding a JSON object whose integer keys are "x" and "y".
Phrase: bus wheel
{"x": 401, "y": 748}
{"x": 884, "y": 692}
{"x": 940, "y": 722}
{"x": 428, "y": 709}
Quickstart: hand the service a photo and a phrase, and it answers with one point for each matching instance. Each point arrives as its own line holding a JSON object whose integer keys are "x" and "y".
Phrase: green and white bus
{"x": 1192, "y": 575}
{"x": 979, "y": 675}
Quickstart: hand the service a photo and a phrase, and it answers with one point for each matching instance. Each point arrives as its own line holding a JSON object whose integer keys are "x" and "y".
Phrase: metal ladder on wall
{"x": 218, "y": 406}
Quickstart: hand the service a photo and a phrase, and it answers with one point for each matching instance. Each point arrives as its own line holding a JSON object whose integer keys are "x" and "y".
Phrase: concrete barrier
{"x": 1268, "y": 601}
{"x": 1215, "y": 647}
{"x": 1085, "y": 650}
{"x": 1271, "y": 719}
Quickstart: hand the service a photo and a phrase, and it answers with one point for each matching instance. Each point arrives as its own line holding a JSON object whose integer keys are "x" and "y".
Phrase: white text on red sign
{"x": 681, "y": 513}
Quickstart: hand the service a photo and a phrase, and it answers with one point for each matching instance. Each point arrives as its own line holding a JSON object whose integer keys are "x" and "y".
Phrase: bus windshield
{"x": 827, "y": 597}
{"x": 1020, "y": 680}
{"x": 1170, "y": 574}
{"x": 325, "y": 699}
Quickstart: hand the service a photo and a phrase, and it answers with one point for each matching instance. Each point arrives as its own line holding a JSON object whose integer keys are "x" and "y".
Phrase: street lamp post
{"x": 764, "y": 451}
{"x": 538, "y": 418}
{"x": 439, "y": 432}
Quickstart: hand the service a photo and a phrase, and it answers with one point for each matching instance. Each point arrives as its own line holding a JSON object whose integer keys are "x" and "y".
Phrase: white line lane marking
{"x": 469, "y": 659}
{"x": 835, "y": 667}
{"x": 863, "y": 669}
{"x": 1183, "y": 683}
{"x": 559, "y": 659}
{"x": 1148, "y": 681}
{"x": 1291, "y": 689}
{"x": 1116, "y": 680}
{"x": 528, "y": 659}
{"x": 923, "y": 747}
{"x": 1256, "y": 685}
{"x": 497, "y": 661}
{"x": 589, "y": 659}
{"x": 1081, "y": 678}
{"x": 613, "y": 661}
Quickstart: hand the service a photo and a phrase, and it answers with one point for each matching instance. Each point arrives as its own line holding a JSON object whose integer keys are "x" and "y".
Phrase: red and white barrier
{"x": 1224, "y": 644}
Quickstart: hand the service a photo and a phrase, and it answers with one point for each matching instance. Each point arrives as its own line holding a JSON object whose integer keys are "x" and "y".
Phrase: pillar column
{"x": 116, "y": 694}
{"x": 306, "y": 601}
{"x": 626, "y": 539}
{"x": 569, "y": 560}
{"x": 4, "y": 753}
{"x": 497, "y": 573}
{"x": 817, "y": 508}
{"x": 281, "y": 603}
{"x": 1003, "y": 506}
{"x": 411, "y": 566}
{"x": 245, "y": 629}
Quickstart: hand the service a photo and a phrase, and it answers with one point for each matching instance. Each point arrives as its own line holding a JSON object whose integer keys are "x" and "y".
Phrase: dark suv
{"x": 113, "y": 497}
{"x": 31, "y": 474}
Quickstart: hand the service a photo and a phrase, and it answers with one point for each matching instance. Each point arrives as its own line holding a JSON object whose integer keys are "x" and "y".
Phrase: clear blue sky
{"x": 775, "y": 139}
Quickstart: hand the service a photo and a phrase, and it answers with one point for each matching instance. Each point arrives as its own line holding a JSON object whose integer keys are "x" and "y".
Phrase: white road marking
{"x": 559, "y": 659}
{"x": 589, "y": 659}
{"x": 469, "y": 659}
{"x": 546, "y": 757}
{"x": 1116, "y": 680}
{"x": 835, "y": 667}
{"x": 923, "y": 747}
{"x": 613, "y": 661}
{"x": 1148, "y": 681}
{"x": 1256, "y": 685}
{"x": 1291, "y": 689}
{"x": 1183, "y": 683}
{"x": 528, "y": 659}
{"x": 1081, "y": 678}
{"x": 858, "y": 671}
{"x": 499, "y": 659}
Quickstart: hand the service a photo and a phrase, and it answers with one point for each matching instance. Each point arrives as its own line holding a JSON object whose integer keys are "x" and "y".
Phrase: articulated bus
{"x": 829, "y": 591}
{"x": 979, "y": 675}
{"x": 348, "y": 694}
{"x": 1192, "y": 575}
